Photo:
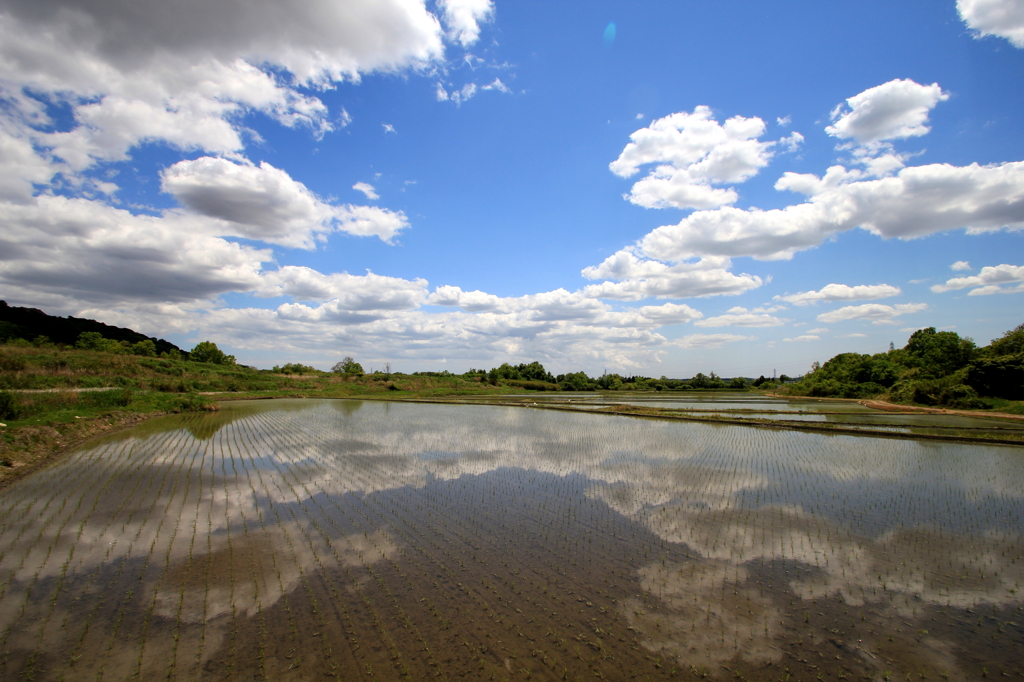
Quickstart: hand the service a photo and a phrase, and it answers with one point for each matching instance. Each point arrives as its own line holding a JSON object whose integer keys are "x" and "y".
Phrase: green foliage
{"x": 705, "y": 381}
{"x": 348, "y": 366}
{"x": 295, "y": 368}
{"x": 849, "y": 375}
{"x": 11, "y": 363}
{"x": 91, "y": 341}
{"x": 938, "y": 354}
{"x": 532, "y": 385}
{"x": 533, "y": 371}
{"x": 8, "y": 405}
{"x": 946, "y": 391}
{"x": 934, "y": 368}
{"x": 207, "y": 351}
{"x": 576, "y": 381}
{"x": 30, "y": 323}
{"x": 1010, "y": 343}
{"x": 144, "y": 348}
{"x": 738, "y": 382}
{"x": 196, "y": 403}
{"x": 1001, "y": 376}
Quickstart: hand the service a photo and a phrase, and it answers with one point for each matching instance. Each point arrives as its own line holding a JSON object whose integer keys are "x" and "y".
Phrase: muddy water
{"x": 317, "y": 539}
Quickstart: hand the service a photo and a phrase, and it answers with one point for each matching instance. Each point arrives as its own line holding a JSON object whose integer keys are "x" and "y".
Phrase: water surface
{"x": 303, "y": 539}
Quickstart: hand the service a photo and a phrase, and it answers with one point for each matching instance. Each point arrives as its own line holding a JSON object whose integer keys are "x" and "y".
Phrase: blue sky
{"x": 651, "y": 188}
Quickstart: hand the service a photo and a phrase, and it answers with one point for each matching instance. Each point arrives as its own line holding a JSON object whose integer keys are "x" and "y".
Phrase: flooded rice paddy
{"x": 311, "y": 539}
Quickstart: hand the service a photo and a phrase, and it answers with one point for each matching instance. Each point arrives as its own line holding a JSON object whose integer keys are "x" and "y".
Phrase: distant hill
{"x": 28, "y": 323}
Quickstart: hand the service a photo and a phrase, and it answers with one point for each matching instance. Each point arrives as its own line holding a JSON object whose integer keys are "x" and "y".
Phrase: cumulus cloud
{"x": 893, "y": 110}
{"x": 918, "y": 201}
{"x": 88, "y": 251}
{"x": 805, "y": 337}
{"x": 741, "y": 317}
{"x": 960, "y": 266}
{"x": 989, "y": 280}
{"x": 1002, "y": 18}
{"x": 636, "y": 278}
{"x": 463, "y": 17}
{"x": 842, "y": 292}
{"x": 562, "y": 306}
{"x": 265, "y": 203}
{"x": 692, "y": 153}
{"x": 352, "y": 292}
{"x": 317, "y": 41}
{"x": 877, "y": 313}
{"x": 366, "y": 188}
{"x": 21, "y": 166}
{"x": 182, "y": 75}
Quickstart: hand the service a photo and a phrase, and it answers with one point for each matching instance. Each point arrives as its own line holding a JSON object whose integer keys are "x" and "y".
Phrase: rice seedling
{"x": 411, "y": 541}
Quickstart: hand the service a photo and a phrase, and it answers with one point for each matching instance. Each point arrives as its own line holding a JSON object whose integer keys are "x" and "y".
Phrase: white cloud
{"x": 265, "y": 203}
{"x": 918, "y": 201}
{"x": 960, "y": 265}
{"x": 741, "y": 317}
{"x": 366, "y": 188}
{"x": 349, "y": 292}
{"x": 388, "y": 128}
{"x": 85, "y": 251}
{"x": 1003, "y": 18}
{"x": 989, "y": 280}
{"x": 637, "y": 278}
{"x": 496, "y": 84}
{"x": 563, "y": 306}
{"x": 710, "y": 340}
{"x": 21, "y": 166}
{"x": 805, "y": 337}
{"x": 466, "y": 92}
{"x": 874, "y": 312}
{"x": 819, "y": 330}
{"x": 693, "y": 152}
{"x": 842, "y": 292}
{"x": 315, "y": 40}
{"x": 463, "y": 18}
{"x": 134, "y": 72}
{"x": 893, "y": 110}
{"x": 852, "y": 336}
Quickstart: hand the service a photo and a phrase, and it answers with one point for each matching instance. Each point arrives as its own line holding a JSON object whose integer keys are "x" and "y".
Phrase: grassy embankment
{"x": 51, "y": 399}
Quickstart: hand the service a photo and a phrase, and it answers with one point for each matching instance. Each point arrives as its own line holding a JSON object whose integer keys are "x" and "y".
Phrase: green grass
{"x": 146, "y": 384}
{"x": 1008, "y": 406}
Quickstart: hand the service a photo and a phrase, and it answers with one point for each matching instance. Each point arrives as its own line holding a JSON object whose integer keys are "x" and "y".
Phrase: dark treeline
{"x": 934, "y": 368}
{"x": 533, "y": 376}
{"x": 35, "y": 326}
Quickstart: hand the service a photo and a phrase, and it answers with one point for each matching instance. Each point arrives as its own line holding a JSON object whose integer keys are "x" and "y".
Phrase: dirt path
{"x": 894, "y": 407}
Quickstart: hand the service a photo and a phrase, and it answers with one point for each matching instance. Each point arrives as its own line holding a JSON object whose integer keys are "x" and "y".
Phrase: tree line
{"x": 938, "y": 368}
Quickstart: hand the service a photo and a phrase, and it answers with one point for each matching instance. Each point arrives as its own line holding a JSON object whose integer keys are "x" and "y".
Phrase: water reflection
{"x": 480, "y": 540}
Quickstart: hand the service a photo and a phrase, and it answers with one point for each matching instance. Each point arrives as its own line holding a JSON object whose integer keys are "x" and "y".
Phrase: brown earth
{"x": 30, "y": 448}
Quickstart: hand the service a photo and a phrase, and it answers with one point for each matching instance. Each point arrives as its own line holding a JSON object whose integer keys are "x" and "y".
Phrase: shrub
{"x": 944, "y": 392}
{"x": 207, "y": 351}
{"x": 194, "y": 402}
{"x": 11, "y": 363}
{"x": 8, "y": 406}
{"x": 998, "y": 377}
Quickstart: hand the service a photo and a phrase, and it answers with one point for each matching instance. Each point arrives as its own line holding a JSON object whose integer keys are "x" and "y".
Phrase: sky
{"x": 658, "y": 188}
